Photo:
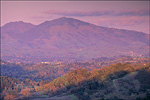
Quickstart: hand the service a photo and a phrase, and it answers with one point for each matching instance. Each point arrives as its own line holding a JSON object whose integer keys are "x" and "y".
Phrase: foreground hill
{"x": 119, "y": 81}
{"x": 68, "y": 39}
{"x": 49, "y": 79}
{"x": 116, "y": 82}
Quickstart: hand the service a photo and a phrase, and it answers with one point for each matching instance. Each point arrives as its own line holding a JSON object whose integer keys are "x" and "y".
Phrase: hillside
{"x": 51, "y": 70}
{"x": 114, "y": 82}
{"x": 119, "y": 81}
{"x": 81, "y": 80}
{"x": 68, "y": 39}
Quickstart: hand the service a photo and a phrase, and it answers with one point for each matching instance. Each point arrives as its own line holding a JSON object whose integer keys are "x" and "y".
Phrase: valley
{"x": 70, "y": 59}
{"x": 118, "y": 78}
{"x": 75, "y": 50}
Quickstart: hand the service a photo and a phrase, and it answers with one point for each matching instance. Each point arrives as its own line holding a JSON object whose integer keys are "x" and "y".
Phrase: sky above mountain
{"x": 131, "y": 15}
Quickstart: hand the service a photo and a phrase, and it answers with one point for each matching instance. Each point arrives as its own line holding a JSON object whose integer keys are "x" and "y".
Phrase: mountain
{"x": 15, "y": 28}
{"x": 67, "y": 39}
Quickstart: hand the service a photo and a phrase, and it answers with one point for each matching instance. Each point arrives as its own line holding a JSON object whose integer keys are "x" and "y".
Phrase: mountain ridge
{"x": 68, "y": 37}
{"x": 26, "y": 26}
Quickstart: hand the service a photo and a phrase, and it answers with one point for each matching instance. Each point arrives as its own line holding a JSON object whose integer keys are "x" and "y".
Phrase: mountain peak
{"x": 18, "y": 23}
{"x": 63, "y": 20}
{"x": 17, "y": 27}
{"x": 70, "y": 38}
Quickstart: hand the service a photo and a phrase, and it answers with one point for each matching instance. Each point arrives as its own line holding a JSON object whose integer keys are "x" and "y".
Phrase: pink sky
{"x": 132, "y": 15}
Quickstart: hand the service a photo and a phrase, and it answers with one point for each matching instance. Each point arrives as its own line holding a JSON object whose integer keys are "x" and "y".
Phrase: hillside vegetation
{"x": 124, "y": 81}
{"x": 119, "y": 81}
{"x": 48, "y": 71}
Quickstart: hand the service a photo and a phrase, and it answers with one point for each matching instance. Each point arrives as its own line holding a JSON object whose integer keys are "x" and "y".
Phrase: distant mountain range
{"x": 68, "y": 39}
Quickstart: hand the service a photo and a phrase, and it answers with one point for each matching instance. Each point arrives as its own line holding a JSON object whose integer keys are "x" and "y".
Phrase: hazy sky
{"x": 132, "y": 15}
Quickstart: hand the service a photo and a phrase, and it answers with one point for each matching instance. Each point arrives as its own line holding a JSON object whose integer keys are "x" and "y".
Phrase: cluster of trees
{"x": 87, "y": 80}
{"x": 8, "y": 87}
{"x": 84, "y": 84}
{"x": 12, "y": 87}
{"x": 38, "y": 72}
{"x": 8, "y": 83}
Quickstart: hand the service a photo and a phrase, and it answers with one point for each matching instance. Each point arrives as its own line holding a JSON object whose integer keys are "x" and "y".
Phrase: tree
{"x": 41, "y": 83}
{"x": 9, "y": 97}
{"x": 26, "y": 92}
